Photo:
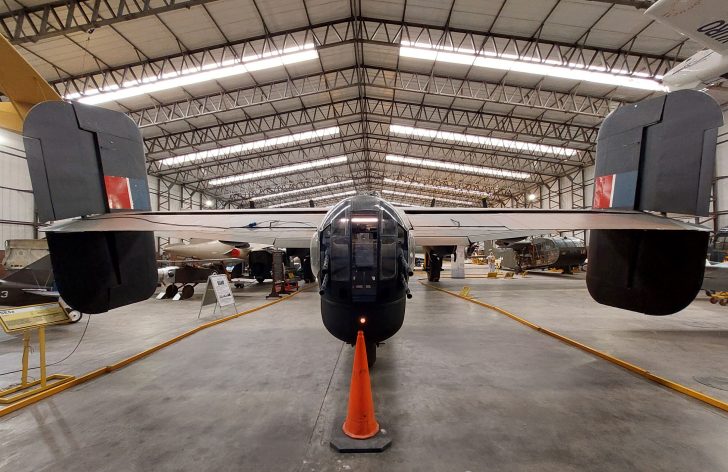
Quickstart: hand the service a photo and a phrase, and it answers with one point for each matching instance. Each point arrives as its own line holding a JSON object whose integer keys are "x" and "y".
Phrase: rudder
{"x": 86, "y": 160}
{"x": 657, "y": 155}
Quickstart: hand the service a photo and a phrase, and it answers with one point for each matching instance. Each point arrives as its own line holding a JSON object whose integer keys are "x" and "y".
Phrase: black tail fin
{"x": 86, "y": 160}
{"x": 656, "y": 155}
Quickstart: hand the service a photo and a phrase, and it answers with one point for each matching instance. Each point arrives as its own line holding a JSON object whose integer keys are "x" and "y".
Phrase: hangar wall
{"x": 571, "y": 191}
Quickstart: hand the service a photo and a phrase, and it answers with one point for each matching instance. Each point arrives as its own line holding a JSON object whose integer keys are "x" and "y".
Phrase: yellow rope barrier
{"x": 614, "y": 360}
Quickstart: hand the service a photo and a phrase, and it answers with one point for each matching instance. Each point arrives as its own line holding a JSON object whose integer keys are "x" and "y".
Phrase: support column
{"x": 457, "y": 267}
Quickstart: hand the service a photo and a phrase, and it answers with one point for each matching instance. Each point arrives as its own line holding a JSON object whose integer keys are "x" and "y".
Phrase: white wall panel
{"x": 567, "y": 193}
{"x": 721, "y": 173}
{"x": 8, "y": 231}
{"x": 15, "y": 205}
{"x": 588, "y": 186}
{"x": 17, "y": 208}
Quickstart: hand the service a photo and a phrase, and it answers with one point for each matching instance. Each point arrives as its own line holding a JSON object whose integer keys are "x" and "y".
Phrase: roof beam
{"x": 353, "y": 141}
{"x": 58, "y": 18}
{"x": 376, "y": 31}
{"x": 565, "y": 102}
{"x": 379, "y": 111}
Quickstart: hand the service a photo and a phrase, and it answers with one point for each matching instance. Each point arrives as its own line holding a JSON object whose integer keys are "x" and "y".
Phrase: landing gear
{"x": 434, "y": 267}
{"x": 74, "y": 316}
{"x": 170, "y": 291}
{"x": 187, "y": 292}
{"x": 371, "y": 353}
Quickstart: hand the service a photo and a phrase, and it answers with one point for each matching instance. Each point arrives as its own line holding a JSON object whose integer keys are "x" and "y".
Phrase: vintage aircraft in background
{"x": 705, "y": 21}
{"x": 189, "y": 264}
{"x": 543, "y": 252}
{"x": 193, "y": 262}
{"x": 363, "y": 248}
{"x": 32, "y": 285}
{"x": 210, "y": 250}
{"x": 217, "y": 254}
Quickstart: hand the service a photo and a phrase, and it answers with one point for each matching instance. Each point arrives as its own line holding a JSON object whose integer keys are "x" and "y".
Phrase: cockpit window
{"x": 340, "y": 249}
{"x": 364, "y": 240}
{"x": 388, "y": 253}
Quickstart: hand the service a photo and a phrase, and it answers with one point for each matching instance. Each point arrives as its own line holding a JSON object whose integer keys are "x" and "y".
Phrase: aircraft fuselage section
{"x": 362, "y": 254}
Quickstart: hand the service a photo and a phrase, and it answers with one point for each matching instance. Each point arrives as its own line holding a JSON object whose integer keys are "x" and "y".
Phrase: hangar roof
{"x": 285, "y": 101}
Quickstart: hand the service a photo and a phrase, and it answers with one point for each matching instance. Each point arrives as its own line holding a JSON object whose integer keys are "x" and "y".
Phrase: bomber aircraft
{"x": 87, "y": 167}
{"x": 655, "y": 157}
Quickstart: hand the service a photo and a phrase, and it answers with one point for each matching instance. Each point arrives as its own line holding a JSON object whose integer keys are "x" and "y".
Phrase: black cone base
{"x": 343, "y": 443}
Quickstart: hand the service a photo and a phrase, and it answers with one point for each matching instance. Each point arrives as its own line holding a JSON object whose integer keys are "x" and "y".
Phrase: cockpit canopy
{"x": 363, "y": 203}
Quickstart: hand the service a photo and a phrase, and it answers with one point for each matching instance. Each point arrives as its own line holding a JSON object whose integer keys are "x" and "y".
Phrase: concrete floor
{"x": 459, "y": 388}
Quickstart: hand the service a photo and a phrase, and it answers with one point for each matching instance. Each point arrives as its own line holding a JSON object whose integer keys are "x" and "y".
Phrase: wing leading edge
{"x": 293, "y": 228}
{"x": 461, "y": 226}
{"x": 289, "y": 228}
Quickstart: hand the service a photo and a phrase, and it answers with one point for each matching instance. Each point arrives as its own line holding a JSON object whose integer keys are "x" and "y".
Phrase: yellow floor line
{"x": 125, "y": 362}
{"x": 614, "y": 360}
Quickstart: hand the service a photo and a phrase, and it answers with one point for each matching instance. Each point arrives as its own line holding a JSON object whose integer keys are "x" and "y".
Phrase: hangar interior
{"x": 255, "y": 104}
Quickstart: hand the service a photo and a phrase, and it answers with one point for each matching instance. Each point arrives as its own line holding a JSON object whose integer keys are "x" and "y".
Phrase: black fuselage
{"x": 364, "y": 261}
{"x": 19, "y": 294}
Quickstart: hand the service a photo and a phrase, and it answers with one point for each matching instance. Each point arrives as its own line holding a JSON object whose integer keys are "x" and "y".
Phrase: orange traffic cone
{"x": 360, "y": 421}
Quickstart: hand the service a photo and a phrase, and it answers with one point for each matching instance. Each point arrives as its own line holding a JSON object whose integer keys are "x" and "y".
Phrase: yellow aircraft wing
{"x": 22, "y": 85}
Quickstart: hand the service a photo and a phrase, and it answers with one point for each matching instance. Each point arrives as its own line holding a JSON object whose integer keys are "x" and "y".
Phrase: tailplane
{"x": 86, "y": 160}
{"x": 656, "y": 155}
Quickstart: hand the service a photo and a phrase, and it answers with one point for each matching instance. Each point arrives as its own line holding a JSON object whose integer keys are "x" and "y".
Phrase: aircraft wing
{"x": 42, "y": 292}
{"x": 705, "y": 21}
{"x": 279, "y": 227}
{"x": 461, "y": 226}
{"x": 293, "y": 228}
{"x": 191, "y": 261}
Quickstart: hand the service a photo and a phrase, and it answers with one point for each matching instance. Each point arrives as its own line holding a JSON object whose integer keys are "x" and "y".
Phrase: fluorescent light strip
{"x": 550, "y": 68}
{"x": 195, "y": 75}
{"x": 463, "y": 168}
{"x": 322, "y": 197}
{"x": 507, "y": 144}
{"x": 251, "y": 146}
{"x": 303, "y": 166}
{"x": 303, "y": 190}
{"x": 405, "y": 183}
{"x": 426, "y": 197}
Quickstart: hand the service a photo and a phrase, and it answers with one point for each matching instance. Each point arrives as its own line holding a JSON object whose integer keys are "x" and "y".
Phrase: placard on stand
{"x": 219, "y": 293}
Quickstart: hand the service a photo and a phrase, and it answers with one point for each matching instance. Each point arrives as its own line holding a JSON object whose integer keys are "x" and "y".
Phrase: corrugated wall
{"x": 720, "y": 190}
{"x": 17, "y": 210}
